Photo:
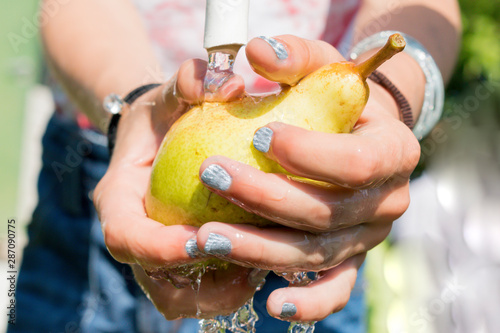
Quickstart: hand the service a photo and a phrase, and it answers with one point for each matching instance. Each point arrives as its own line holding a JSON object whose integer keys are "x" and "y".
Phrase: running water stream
{"x": 245, "y": 318}
{"x": 219, "y": 71}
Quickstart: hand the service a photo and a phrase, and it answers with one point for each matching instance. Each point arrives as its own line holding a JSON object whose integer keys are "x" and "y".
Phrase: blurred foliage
{"x": 469, "y": 130}
{"x": 478, "y": 65}
{"x": 479, "y": 57}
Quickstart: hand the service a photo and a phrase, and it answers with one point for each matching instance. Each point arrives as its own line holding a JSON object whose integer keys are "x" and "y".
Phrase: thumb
{"x": 287, "y": 59}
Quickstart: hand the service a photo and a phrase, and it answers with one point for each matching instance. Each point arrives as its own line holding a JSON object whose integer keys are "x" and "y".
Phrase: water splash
{"x": 245, "y": 318}
{"x": 300, "y": 279}
{"x": 196, "y": 287}
{"x": 296, "y": 327}
{"x": 181, "y": 276}
{"x": 219, "y": 70}
{"x": 241, "y": 321}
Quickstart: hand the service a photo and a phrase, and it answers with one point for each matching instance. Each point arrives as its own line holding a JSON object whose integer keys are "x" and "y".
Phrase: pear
{"x": 330, "y": 100}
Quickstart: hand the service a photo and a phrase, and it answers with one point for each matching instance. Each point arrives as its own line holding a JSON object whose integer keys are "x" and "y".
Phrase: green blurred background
{"x": 20, "y": 66}
{"x": 20, "y": 69}
{"x": 432, "y": 282}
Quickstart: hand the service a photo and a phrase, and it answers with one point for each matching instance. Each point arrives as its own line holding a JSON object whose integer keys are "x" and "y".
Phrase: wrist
{"x": 432, "y": 99}
{"x": 384, "y": 99}
{"x": 407, "y": 76}
{"x": 405, "y": 73}
{"x": 114, "y": 104}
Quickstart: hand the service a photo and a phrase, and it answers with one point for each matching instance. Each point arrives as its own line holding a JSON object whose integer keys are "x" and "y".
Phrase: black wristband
{"x": 129, "y": 99}
{"x": 405, "y": 112}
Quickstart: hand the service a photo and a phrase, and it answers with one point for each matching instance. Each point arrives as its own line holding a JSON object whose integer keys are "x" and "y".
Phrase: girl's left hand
{"x": 328, "y": 229}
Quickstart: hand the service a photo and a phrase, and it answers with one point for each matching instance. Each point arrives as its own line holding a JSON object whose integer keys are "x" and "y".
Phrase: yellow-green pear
{"x": 330, "y": 100}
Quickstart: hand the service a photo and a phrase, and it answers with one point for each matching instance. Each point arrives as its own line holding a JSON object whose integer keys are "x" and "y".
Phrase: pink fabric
{"x": 176, "y": 30}
{"x": 176, "y": 27}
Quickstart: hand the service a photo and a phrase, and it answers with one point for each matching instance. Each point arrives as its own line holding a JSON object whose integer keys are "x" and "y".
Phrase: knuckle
{"x": 112, "y": 241}
{"x": 378, "y": 234}
{"x": 399, "y": 203}
{"x": 320, "y": 217}
{"x": 316, "y": 259}
{"x": 409, "y": 150}
{"x": 319, "y": 257}
{"x": 366, "y": 166}
{"x": 98, "y": 192}
{"x": 413, "y": 153}
{"x": 344, "y": 295}
{"x": 343, "y": 299}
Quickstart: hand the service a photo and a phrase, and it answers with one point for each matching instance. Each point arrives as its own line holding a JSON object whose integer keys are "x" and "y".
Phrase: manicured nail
{"x": 192, "y": 249}
{"x": 216, "y": 177}
{"x": 288, "y": 310}
{"x": 217, "y": 245}
{"x": 262, "y": 139}
{"x": 278, "y": 48}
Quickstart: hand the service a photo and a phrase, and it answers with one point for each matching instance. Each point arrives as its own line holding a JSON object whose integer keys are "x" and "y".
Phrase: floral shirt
{"x": 176, "y": 27}
{"x": 176, "y": 30}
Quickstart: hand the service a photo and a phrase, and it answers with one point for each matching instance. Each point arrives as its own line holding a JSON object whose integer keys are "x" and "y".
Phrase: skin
{"x": 372, "y": 165}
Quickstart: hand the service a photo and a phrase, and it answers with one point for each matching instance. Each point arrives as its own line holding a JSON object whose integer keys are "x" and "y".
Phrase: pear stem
{"x": 395, "y": 44}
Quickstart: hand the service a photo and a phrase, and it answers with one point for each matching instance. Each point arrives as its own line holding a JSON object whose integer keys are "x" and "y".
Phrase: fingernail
{"x": 278, "y": 48}
{"x": 257, "y": 277}
{"x": 192, "y": 249}
{"x": 216, "y": 177}
{"x": 262, "y": 139}
{"x": 217, "y": 245}
{"x": 288, "y": 310}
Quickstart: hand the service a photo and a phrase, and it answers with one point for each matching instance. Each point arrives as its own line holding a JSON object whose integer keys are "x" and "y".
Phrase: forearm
{"x": 97, "y": 47}
{"x": 436, "y": 24}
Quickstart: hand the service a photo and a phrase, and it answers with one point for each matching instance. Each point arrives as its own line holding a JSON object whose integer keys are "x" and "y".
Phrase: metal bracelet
{"x": 432, "y": 108}
{"x": 113, "y": 104}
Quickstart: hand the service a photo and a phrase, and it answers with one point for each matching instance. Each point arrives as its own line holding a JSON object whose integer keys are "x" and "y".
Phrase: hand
{"x": 147, "y": 245}
{"x": 328, "y": 229}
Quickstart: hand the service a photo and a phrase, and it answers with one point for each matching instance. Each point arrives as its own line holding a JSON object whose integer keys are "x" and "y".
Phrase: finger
{"x": 187, "y": 88}
{"x": 302, "y": 205}
{"x": 286, "y": 59}
{"x": 232, "y": 89}
{"x": 190, "y": 84}
{"x": 329, "y": 294}
{"x": 380, "y": 148}
{"x": 218, "y": 292}
{"x": 287, "y": 249}
{"x": 130, "y": 236}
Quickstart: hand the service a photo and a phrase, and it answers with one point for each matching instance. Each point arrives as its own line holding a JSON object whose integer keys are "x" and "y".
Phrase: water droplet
{"x": 296, "y": 327}
{"x": 298, "y": 278}
{"x": 241, "y": 321}
{"x": 219, "y": 70}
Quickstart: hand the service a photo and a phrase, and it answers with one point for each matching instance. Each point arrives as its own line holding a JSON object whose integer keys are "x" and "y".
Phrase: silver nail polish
{"x": 262, "y": 139}
{"x": 278, "y": 48}
{"x": 217, "y": 245}
{"x": 192, "y": 249}
{"x": 288, "y": 310}
{"x": 216, "y": 177}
